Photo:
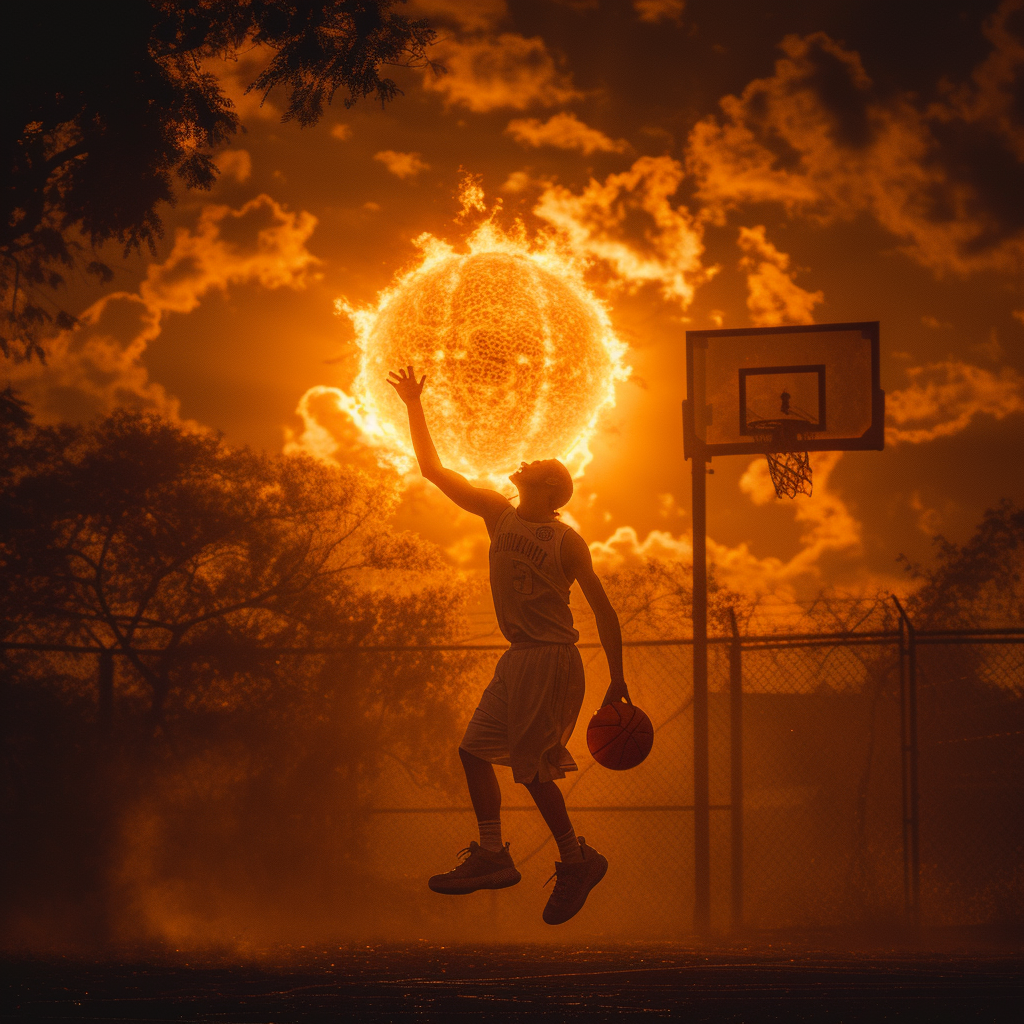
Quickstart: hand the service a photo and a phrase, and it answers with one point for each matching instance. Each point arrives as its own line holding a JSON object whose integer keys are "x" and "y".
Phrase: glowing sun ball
{"x": 519, "y": 358}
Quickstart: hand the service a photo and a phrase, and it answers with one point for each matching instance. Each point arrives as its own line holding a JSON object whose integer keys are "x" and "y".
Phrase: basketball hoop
{"x": 790, "y": 468}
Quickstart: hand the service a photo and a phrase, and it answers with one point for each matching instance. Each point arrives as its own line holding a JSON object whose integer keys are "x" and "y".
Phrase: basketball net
{"x": 789, "y": 467}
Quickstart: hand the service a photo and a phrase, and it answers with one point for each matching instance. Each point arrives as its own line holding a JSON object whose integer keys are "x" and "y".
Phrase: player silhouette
{"x": 529, "y": 709}
{"x": 785, "y": 396}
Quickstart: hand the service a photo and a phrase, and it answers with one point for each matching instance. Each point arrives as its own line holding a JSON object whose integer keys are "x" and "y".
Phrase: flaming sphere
{"x": 520, "y": 357}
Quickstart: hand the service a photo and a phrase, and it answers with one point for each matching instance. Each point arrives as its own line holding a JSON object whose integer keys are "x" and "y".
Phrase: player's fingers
{"x": 422, "y": 382}
{"x": 412, "y": 373}
{"x": 395, "y": 375}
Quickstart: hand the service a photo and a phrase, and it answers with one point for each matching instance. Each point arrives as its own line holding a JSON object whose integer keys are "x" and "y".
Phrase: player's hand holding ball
{"x": 616, "y": 692}
{"x": 620, "y": 735}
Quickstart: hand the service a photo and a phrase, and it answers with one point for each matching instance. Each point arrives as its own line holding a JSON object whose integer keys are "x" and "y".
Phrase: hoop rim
{"x": 780, "y": 432}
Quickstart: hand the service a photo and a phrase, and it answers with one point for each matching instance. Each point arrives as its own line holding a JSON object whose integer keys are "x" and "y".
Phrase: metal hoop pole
{"x": 701, "y": 787}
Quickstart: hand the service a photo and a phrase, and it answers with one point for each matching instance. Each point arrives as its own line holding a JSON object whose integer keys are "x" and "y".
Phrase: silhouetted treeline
{"x": 206, "y": 750}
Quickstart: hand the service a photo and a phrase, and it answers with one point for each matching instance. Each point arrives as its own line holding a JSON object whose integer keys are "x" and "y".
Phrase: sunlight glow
{"x": 520, "y": 356}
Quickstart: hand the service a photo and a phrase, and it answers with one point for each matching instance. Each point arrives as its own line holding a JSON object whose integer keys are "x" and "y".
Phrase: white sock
{"x": 569, "y": 848}
{"x": 490, "y": 835}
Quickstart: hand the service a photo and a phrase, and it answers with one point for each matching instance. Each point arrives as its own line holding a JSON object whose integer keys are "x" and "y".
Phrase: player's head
{"x": 548, "y": 479}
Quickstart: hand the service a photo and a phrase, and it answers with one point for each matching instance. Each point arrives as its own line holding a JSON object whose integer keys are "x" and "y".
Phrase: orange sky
{"x": 721, "y": 164}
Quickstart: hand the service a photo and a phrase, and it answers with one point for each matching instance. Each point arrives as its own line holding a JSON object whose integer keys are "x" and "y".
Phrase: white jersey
{"x": 528, "y": 584}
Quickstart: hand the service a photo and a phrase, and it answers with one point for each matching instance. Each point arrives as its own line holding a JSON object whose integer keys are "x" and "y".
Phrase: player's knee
{"x": 469, "y": 759}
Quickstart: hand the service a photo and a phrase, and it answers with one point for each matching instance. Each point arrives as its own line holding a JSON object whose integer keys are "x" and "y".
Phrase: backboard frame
{"x": 873, "y": 439}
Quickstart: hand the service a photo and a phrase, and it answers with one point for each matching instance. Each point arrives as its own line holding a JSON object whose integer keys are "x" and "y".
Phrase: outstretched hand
{"x": 406, "y": 385}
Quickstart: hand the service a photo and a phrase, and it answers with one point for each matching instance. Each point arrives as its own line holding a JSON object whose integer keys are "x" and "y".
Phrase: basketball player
{"x": 528, "y": 711}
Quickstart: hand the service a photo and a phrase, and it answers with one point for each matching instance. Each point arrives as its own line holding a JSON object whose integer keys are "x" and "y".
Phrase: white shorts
{"x": 528, "y": 712}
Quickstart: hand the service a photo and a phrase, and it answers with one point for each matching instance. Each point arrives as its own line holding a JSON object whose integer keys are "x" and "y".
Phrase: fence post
{"x": 908, "y": 765}
{"x": 736, "y": 769}
{"x": 105, "y": 695}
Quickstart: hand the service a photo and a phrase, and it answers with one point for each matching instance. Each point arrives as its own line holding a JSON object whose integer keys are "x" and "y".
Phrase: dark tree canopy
{"x": 193, "y": 559}
{"x": 104, "y": 105}
{"x": 978, "y": 584}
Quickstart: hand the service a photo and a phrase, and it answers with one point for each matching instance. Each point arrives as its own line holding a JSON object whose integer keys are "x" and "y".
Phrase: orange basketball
{"x": 620, "y": 736}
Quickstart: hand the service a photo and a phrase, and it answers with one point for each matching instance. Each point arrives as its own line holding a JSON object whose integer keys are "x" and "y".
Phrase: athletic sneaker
{"x": 479, "y": 869}
{"x": 573, "y": 883}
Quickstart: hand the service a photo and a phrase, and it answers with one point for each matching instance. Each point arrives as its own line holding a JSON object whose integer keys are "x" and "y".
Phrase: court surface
{"x": 418, "y": 981}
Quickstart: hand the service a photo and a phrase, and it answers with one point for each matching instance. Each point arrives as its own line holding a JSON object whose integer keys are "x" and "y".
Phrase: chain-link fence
{"x": 825, "y": 829}
{"x": 854, "y": 779}
{"x": 971, "y": 770}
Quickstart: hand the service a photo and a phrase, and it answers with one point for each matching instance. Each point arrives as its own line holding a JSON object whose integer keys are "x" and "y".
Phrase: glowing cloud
{"x": 468, "y": 15}
{"x": 654, "y": 11}
{"x": 97, "y": 367}
{"x": 234, "y": 163}
{"x": 564, "y": 131}
{"x": 401, "y": 165}
{"x": 943, "y": 398}
{"x": 507, "y": 71}
{"x": 520, "y": 357}
{"x": 826, "y": 526}
{"x": 835, "y": 151}
{"x": 595, "y": 224}
{"x": 773, "y": 297}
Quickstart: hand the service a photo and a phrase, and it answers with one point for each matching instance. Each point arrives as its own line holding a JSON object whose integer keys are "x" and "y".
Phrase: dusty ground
{"x": 766, "y": 980}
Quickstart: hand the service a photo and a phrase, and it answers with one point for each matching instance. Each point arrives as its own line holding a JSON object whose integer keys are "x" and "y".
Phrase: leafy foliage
{"x": 106, "y": 105}
{"x": 978, "y": 584}
{"x": 654, "y": 600}
{"x": 239, "y": 593}
{"x": 194, "y": 559}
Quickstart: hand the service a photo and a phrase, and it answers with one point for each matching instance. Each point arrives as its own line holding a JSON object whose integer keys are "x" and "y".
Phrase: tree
{"x": 240, "y": 592}
{"x": 105, "y": 105}
{"x": 655, "y": 600}
{"x": 198, "y": 562}
{"x": 974, "y": 585}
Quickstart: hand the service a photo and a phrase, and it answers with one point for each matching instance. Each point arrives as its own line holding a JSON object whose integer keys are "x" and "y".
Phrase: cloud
{"x": 520, "y": 181}
{"x": 827, "y": 527}
{"x": 654, "y": 11}
{"x": 943, "y": 398}
{"x": 600, "y": 223}
{"x": 341, "y": 132}
{"x": 772, "y": 297}
{"x": 96, "y": 368}
{"x": 234, "y": 163}
{"x": 819, "y": 140}
{"x": 491, "y": 73}
{"x": 929, "y": 520}
{"x": 564, "y": 131}
{"x": 467, "y": 15}
{"x": 401, "y": 165}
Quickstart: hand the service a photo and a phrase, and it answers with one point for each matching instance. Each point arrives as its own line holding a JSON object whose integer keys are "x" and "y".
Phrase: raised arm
{"x": 479, "y": 500}
{"x": 578, "y": 565}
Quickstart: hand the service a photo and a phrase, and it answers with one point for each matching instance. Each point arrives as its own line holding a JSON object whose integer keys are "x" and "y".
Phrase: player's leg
{"x": 579, "y": 869}
{"x": 487, "y": 864}
{"x": 552, "y": 684}
{"x": 551, "y": 804}
{"x": 485, "y": 795}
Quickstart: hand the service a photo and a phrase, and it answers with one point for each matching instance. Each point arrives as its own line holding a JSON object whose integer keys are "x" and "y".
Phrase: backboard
{"x": 757, "y": 390}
